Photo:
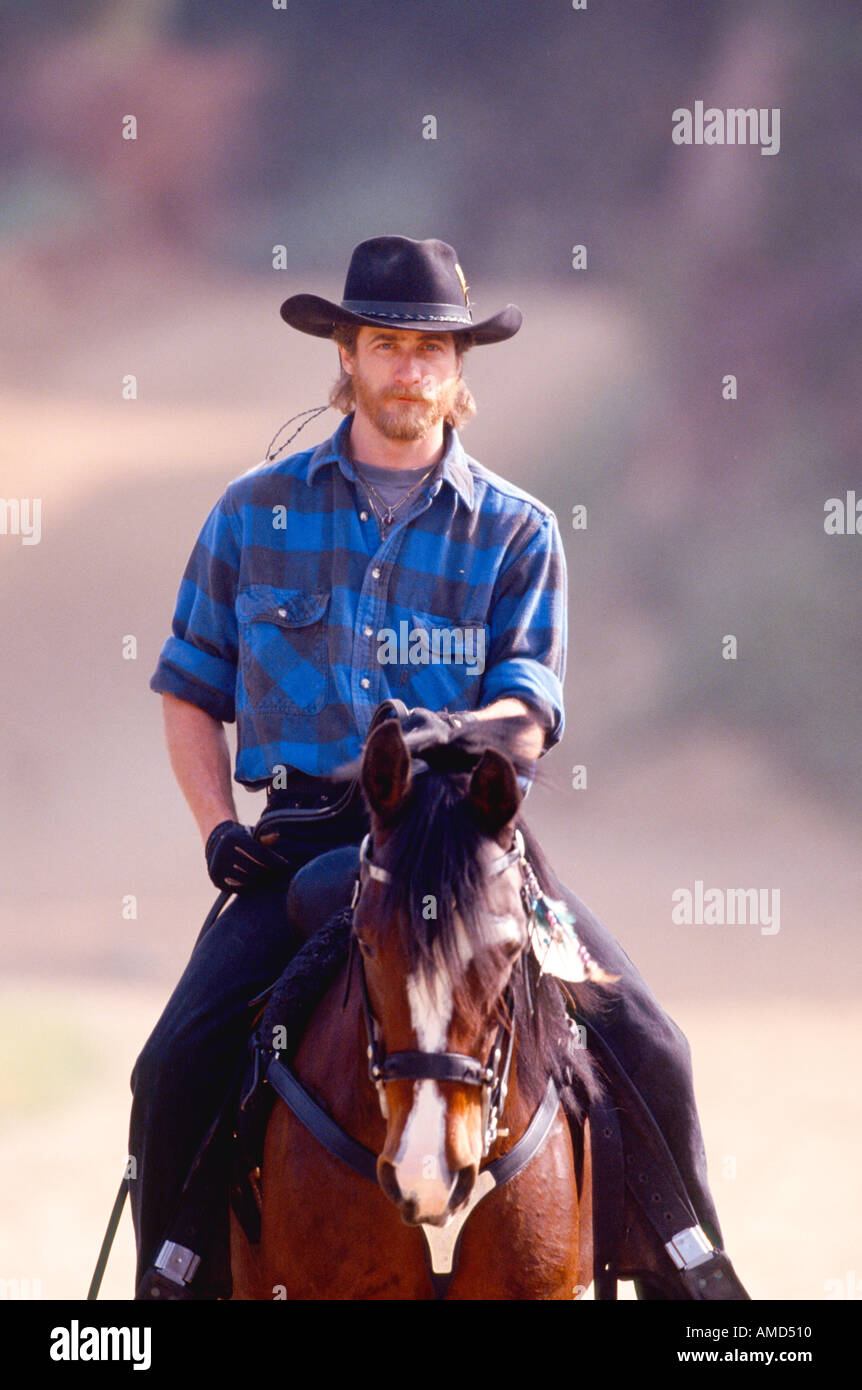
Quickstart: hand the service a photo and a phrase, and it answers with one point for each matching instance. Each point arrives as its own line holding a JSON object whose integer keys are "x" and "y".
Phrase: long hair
{"x": 343, "y": 398}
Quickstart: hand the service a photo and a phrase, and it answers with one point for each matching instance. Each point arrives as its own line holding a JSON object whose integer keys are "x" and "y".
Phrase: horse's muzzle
{"x": 430, "y": 1202}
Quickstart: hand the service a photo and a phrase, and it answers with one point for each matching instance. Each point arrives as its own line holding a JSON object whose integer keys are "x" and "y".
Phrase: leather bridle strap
{"x": 510, "y": 1164}
{"x": 319, "y": 1123}
{"x": 434, "y": 1066}
{"x": 441, "y": 1248}
{"x": 341, "y": 1145}
{"x": 411, "y": 1065}
{"x": 497, "y": 866}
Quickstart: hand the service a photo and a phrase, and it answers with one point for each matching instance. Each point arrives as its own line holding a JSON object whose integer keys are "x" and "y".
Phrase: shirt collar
{"x": 454, "y": 468}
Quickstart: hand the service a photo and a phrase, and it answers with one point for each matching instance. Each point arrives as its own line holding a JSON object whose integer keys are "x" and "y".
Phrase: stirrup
{"x": 171, "y": 1276}
{"x": 712, "y": 1278}
{"x": 702, "y": 1269}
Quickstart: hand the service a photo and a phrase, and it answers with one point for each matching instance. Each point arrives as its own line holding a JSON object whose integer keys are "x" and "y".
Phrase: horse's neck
{"x": 520, "y": 1106}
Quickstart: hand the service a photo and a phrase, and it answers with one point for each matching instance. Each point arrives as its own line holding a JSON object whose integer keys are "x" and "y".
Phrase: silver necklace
{"x": 386, "y": 513}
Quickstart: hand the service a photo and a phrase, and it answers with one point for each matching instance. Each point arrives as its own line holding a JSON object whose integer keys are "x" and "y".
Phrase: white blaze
{"x": 420, "y": 1163}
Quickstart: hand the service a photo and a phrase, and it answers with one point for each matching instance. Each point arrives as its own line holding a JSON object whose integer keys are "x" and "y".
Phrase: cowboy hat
{"x": 401, "y": 283}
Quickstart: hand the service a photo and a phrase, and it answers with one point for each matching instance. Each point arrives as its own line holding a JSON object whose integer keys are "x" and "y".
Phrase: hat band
{"x": 392, "y": 309}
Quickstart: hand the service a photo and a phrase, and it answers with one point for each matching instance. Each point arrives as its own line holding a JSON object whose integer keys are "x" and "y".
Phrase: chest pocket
{"x": 284, "y": 659}
{"x": 447, "y": 663}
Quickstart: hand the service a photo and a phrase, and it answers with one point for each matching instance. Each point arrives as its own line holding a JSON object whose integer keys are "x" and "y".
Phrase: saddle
{"x": 644, "y": 1227}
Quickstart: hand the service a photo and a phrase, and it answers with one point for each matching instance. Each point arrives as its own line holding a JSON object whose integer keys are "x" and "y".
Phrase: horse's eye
{"x": 364, "y": 948}
{"x": 507, "y": 945}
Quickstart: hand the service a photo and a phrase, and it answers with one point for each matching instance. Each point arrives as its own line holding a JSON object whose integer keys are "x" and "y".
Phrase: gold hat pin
{"x": 459, "y": 272}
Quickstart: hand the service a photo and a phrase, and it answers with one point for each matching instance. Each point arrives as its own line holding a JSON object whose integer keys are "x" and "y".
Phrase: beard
{"x": 405, "y": 419}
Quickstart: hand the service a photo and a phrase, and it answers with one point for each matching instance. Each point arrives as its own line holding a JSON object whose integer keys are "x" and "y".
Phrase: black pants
{"x": 196, "y": 1051}
{"x": 184, "y": 1071}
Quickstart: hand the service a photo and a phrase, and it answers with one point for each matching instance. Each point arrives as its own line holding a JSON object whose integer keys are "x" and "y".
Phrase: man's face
{"x": 404, "y": 380}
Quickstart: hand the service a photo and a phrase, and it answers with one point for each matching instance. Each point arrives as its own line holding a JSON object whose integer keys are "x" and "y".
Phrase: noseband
{"x": 493, "y": 1077}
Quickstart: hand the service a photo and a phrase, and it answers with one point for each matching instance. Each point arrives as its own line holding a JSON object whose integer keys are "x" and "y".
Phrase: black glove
{"x": 236, "y": 860}
{"x": 434, "y": 728}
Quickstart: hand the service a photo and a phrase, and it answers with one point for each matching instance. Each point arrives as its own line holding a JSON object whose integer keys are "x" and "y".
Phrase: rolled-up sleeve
{"x": 198, "y": 663}
{"x": 527, "y": 654}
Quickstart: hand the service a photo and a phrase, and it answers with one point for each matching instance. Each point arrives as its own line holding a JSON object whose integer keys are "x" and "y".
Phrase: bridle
{"x": 493, "y": 1077}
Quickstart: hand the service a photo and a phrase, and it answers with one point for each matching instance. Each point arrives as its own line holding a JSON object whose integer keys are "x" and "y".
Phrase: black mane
{"x": 433, "y": 853}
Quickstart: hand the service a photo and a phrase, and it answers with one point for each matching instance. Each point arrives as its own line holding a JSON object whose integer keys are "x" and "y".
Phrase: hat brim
{"x": 311, "y": 314}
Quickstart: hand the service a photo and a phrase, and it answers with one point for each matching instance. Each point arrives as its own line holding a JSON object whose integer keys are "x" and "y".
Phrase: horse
{"x": 439, "y": 1055}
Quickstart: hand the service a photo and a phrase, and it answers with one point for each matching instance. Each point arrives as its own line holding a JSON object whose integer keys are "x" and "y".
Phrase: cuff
{"x": 538, "y": 687}
{"x": 203, "y": 687}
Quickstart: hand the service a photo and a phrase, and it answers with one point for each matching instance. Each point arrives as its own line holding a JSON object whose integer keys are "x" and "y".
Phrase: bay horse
{"x": 440, "y": 1058}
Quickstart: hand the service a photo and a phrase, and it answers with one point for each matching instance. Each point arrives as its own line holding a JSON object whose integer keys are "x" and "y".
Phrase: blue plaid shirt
{"x": 295, "y": 618}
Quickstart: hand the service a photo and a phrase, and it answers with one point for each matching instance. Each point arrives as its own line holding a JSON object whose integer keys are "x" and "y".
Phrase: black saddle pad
{"x": 298, "y": 991}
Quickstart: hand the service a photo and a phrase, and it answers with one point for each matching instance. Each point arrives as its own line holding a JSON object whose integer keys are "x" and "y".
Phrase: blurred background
{"x": 302, "y": 128}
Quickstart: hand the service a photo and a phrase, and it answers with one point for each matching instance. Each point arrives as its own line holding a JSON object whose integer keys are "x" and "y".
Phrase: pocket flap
{"x": 284, "y": 607}
{"x": 429, "y": 621}
{"x": 462, "y": 644}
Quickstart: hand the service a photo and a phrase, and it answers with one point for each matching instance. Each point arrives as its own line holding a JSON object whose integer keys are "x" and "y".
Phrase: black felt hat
{"x": 401, "y": 283}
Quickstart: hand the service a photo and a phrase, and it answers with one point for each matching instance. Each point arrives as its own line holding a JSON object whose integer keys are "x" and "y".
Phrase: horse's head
{"x": 440, "y": 921}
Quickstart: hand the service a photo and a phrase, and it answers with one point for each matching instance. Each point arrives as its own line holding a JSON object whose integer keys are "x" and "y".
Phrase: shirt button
{"x": 368, "y": 631}
{"x": 365, "y": 682}
{"x": 282, "y": 612}
{"x": 375, "y": 574}
{"x": 363, "y": 516}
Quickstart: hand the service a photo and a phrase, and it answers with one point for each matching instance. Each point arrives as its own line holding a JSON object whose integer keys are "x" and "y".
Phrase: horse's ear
{"x": 384, "y": 773}
{"x": 494, "y": 791}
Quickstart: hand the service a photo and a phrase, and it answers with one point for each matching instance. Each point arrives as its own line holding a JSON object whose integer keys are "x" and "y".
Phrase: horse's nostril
{"x": 388, "y": 1181}
{"x": 464, "y": 1184}
{"x": 410, "y": 1211}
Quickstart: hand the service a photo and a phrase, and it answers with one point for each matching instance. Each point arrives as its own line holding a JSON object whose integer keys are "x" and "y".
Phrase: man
{"x": 385, "y": 563}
